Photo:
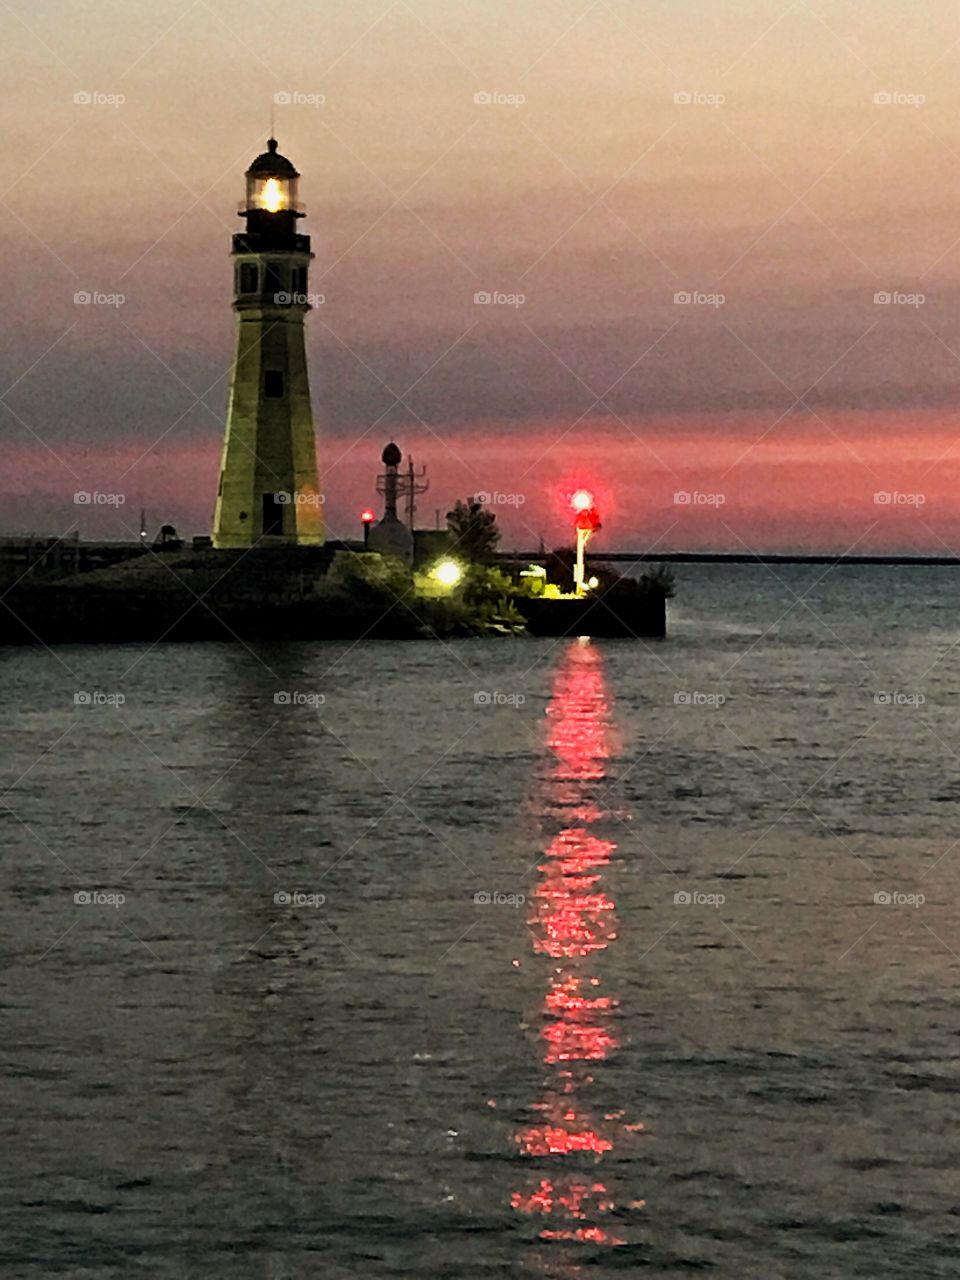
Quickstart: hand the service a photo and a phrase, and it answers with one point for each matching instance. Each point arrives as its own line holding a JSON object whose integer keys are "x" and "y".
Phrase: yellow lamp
{"x": 272, "y": 196}
{"x": 448, "y": 573}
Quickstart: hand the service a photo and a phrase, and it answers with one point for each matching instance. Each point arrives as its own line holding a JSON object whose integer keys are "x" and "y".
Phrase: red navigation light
{"x": 582, "y": 500}
{"x": 368, "y": 516}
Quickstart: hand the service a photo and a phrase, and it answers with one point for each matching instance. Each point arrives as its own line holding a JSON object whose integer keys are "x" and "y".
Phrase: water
{"x": 202, "y": 1081}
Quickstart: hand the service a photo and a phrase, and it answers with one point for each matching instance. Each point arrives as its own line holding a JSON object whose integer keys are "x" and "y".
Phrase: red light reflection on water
{"x": 557, "y": 1141}
{"x": 572, "y": 1044}
{"x": 573, "y": 921}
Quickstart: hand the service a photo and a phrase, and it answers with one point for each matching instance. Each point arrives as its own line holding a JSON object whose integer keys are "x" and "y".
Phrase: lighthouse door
{"x": 272, "y": 515}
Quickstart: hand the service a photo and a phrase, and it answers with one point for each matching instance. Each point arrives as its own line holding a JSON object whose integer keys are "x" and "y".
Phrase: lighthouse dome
{"x": 273, "y": 163}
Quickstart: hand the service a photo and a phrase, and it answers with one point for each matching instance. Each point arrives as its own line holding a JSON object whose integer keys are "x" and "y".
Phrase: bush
{"x": 369, "y": 578}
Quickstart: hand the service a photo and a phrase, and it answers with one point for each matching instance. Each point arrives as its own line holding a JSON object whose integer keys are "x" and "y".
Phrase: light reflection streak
{"x": 573, "y": 922}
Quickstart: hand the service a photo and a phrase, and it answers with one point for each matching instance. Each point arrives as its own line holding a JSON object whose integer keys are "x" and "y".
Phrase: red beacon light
{"x": 582, "y": 500}
{"x": 367, "y": 517}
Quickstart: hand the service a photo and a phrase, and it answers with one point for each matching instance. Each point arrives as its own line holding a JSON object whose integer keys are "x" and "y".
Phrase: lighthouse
{"x": 268, "y": 493}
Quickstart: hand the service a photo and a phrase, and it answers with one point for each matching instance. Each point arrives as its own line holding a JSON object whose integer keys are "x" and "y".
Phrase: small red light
{"x": 581, "y": 500}
{"x": 368, "y": 516}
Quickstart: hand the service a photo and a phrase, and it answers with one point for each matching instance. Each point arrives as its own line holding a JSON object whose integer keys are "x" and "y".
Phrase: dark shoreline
{"x": 53, "y": 615}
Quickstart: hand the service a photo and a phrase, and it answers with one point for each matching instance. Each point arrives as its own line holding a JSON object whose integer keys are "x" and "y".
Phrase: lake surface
{"x": 495, "y": 958}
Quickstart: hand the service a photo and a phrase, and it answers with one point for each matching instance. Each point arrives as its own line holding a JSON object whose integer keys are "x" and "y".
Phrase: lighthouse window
{"x": 274, "y": 283}
{"x": 300, "y": 280}
{"x": 273, "y": 384}
{"x": 248, "y": 277}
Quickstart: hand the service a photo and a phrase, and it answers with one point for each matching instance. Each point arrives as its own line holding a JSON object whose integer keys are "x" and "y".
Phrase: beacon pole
{"x": 586, "y": 524}
{"x": 583, "y": 537}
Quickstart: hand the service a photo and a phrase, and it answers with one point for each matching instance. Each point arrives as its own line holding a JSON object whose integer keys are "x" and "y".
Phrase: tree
{"x": 473, "y": 531}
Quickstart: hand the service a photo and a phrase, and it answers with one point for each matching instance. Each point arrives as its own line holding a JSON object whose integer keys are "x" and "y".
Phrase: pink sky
{"x": 817, "y": 165}
{"x": 804, "y": 484}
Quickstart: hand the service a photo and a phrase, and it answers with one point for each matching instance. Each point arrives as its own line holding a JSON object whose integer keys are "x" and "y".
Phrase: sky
{"x": 722, "y": 236}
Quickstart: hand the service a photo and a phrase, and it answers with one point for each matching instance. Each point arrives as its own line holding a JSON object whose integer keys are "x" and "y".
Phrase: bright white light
{"x": 593, "y": 583}
{"x": 448, "y": 573}
{"x": 272, "y": 197}
{"x": 582, "y": 500}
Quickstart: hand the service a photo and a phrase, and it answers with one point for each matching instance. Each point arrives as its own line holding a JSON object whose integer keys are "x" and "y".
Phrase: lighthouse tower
{"x": 268, "y": 492}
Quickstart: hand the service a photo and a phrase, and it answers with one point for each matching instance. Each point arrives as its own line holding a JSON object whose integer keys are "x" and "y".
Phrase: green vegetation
{"x": 474, "y": 535}
{"x": 481, "y": 602}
